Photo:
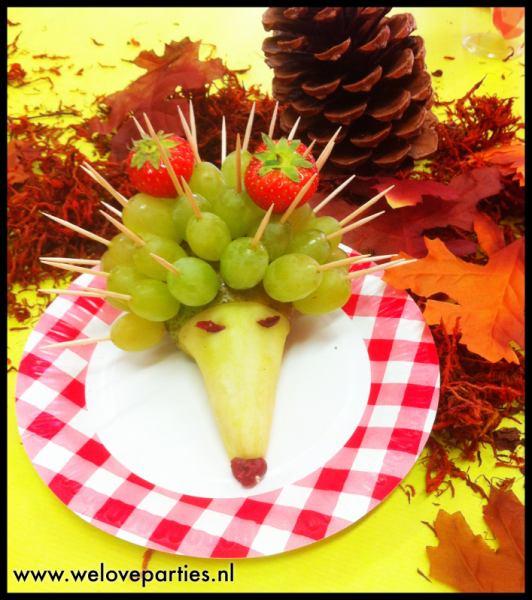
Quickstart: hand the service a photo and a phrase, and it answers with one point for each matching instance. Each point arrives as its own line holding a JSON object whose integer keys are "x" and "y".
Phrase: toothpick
{"x": 82, "y": 342}
{"x": 261, "y": 228}
{"x": 74, "y": 268}
{"x": 91, "y": 172}
{"x": 139, "y": 127}
{"x": 342, "y": 262}
{"x": 309, "y": 149}
{"x": 164, "y": 156}
{"x": 80, "y": 230}
{"x": 125, "y": 230}
{"x": 188, "y": 134}
{"x": 355, "y": 225}
{"x": 391, "y": 265}
{"x": 86, "y": 292}
{"x": 190, "y": 197}
{"x": 238, "y": 165}
{"x": 294, "y": 129}
{"x": 334, "y": 193}
{"x": 224, "y": 141}
{"x": 326, "y": 152}
{"x": 164, "y": 263}
{"x": 112, "y": 209}
{"x": 192, "y": 119}
{"x": 365, "y": 206}
{"x": 297, "y": 199}
{"x": 64, "y": 259}
{"x": 273, "y": 121}
{"x": 249, "y": 127}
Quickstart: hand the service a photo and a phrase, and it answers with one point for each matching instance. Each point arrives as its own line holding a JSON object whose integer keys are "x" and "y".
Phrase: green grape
{"x": 183, "y": 211}
{"x": 242, "y": 266}
{"x": 132, "y": 333}
{"x": 121, "y": 279}
{"x": 196, "y": 283}
{"x": 229, "y": 167}
{"x": 332, "y": 293}
{"x": 151, "y": 300}
{"x": 207, "y": 236}
{"x": 275, "y": 238}
{"x": 238, "y": 211}
{"x": 207, "y": 181}
{"x": 303, "y": 217}
{"x": 119, "y": 252}
{"x": 292, "y": 277}
{"x": 336, "y": 254}
{"x": 146, "y": 214}
{"x": 163, "y": 247}
{"x": 326, "y": 224}
{"x": 311, "y": 242}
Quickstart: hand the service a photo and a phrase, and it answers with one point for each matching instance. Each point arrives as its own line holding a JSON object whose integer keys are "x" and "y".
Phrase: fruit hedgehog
{"x": 222, "y": 260}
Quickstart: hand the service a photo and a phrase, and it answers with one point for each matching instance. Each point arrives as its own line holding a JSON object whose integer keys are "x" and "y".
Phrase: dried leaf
{"x": 490, "y": 235}
{"x": 488, "y": 300}
{"x": 464, "y": 560}
{"x": 510, "y": 158}
{"x": 409, "y": 192}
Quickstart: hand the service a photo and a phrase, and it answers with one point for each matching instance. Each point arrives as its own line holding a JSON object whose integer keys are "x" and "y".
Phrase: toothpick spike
{"x": 125, "y": 230}
{"x": 364, "y": 206}
{"x": 74, "y": 268}
{"x": 190, "y": 197}
{"x": 82, "y": 342}
{"x": 64, "y": 259}
{"x": 91, "y": 172}
{"x": 112, "y": 209}
{"x": 294, "y": 129}
{"x": 273, "y": 121}
{"x": 192, "y": 120}
{"x": 249, "y": 127}
{"x": 326, "y": 152}
{"x": 297, "y": 199}
{"x": 164, "y": 263}
{"x": 139, "y": 127}
{"x": 309, "y": 149}
{"x": 349, "y": 260}
{"x": 262, "y": 226}
{"x": 86, "y": 292}
{"x": 354, "y": 225}
{"x": 164, "y": 156}
{"x": 224, "y": 141}
{"x": 80, "y": 230}
{"x": 238, "y": 165}
{"x": 391, "y": 265}
{"x": 188, "y": 134}
{"x": 333, "y": 194}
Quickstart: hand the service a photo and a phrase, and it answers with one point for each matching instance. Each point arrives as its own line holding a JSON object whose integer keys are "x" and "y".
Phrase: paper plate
{"x": 128, "y": 442}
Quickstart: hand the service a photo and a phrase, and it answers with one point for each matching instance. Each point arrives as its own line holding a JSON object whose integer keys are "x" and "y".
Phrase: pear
{"x": 239, "y": 347}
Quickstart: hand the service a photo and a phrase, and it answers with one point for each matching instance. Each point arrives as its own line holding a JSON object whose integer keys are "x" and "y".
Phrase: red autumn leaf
{"x": 488, "y": 300}
{"x": 409, "y": 192}
{"x": 179, "y": 66}
{"x": 464, "y": 560}
{"x": 510, "y": 158}
{"x": 490, "y": 235}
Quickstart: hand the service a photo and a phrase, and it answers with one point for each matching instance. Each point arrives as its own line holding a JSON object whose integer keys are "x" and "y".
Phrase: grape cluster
{"x": 218, "y": 246}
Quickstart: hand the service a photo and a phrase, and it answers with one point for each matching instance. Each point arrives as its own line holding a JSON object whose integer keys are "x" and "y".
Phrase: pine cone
{"x": 357, "y": 68}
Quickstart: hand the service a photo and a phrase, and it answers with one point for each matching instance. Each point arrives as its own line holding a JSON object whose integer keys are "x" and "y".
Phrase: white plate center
{"x": 151, "y": 411}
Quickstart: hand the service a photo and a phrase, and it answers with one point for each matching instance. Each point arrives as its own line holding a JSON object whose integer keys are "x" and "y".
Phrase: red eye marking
{"x": 210, "y": 326}
{"x": 269, "y": 321}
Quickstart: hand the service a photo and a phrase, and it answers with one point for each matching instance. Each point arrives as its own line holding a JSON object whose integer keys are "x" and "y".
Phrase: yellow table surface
{"x": 384, "y": 550}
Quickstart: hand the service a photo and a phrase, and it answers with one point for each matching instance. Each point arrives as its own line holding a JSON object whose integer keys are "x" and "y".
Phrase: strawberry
{"x": 277, "y": 172}
{"x": 146, "y": 168}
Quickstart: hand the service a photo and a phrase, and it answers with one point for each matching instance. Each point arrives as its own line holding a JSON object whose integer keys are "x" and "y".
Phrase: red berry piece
{"x": 277, "y": 172}
{"x": 147, "y": 171}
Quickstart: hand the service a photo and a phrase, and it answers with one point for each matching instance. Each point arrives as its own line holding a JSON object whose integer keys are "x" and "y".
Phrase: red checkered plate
{"x": 128, "y": 442}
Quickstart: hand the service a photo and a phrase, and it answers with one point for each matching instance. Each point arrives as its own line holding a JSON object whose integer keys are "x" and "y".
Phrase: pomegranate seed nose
{"x": 248, "y": 471}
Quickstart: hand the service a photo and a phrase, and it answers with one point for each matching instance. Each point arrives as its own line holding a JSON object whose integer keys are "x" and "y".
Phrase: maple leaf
{"x": 509, "y": 157}
{"x": 179, "y": 66}
{"x": 490, "y": 236}
{"x": 464, "y": 560}
{"x": 487, "y": 299}
{"x": 409, "y": 192}
{"x": 403, "y": 228}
